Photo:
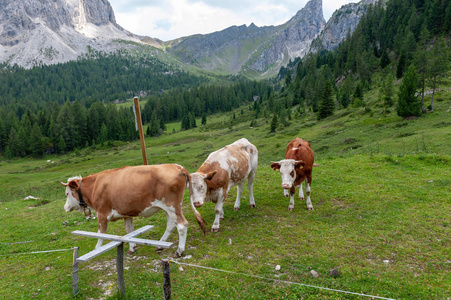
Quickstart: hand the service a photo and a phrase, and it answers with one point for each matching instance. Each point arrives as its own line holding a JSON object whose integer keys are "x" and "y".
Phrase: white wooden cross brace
{"x": 117, "y": 240}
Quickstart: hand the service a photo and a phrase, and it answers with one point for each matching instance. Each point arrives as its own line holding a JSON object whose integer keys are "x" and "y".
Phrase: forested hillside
{"x": 62, "y": 107}
{"x": 69, "y": 106}
{"x": 388, "y": 39}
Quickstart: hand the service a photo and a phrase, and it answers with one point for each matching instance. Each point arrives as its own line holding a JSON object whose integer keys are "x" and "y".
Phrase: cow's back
{"x": 237, "y": 159}
{"x": 129, "y": 190}
{"x": 299, "y": 149}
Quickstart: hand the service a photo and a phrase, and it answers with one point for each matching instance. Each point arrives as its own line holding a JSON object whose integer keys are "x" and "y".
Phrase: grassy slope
{"x": 381, "y": 199}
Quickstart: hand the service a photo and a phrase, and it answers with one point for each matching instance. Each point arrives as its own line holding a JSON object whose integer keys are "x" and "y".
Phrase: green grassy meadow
{"x": 382, "y": 215}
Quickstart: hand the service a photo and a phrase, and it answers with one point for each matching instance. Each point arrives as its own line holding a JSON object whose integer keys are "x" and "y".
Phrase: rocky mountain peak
{"x": 34, "y": 32}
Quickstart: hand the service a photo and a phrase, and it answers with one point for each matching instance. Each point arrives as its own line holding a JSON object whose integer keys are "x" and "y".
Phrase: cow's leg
{"x": 301, "y": 192}
{"x": 238, "y": 196}
{"x": 286, "y": 192}
{"x": 250, "y": 186}
{"x": 219, "y": 212}
{"x": 176, "y": 220}
{"x": 182, "y": 229}
{"x": 103, "y": 225}
{"x": 291, "y": 204}
{"x": 128, "y": 222}
{"x": 307, "y": 193}
{"x": 170, "y": 226}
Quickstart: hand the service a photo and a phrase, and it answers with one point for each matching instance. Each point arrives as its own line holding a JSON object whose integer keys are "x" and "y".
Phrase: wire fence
{"x": 232, "y": 272}
{"x": 38, "y": 252}
{"x": 283, "y": 281}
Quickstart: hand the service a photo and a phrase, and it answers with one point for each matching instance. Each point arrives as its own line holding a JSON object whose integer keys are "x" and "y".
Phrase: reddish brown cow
{"x": 295, "y": 168}
{"x": 131, "y": 192}
{"x": 223, "y": 169}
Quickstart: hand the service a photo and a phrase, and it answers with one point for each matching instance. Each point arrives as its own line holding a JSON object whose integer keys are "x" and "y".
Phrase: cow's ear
{"x": 299, "y": 164}
{"x": 210, "y": 175}
{"x": 275, "y": 166}
{"x": 73, "y": 185}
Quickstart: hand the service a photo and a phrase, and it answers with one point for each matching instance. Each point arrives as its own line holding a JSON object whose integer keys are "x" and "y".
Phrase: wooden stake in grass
{"x": 140, "y": 129}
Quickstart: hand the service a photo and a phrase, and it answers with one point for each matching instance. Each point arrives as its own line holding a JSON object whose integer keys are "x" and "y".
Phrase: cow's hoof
{"x": 158, "y": 249}
{"x": 236, "y": 208}
{"x": 286, "y": 196}
{"x": 290, "y": 208}
{"x": 130, "y": 252}
{"x": 310, "y": 208}
{"x": 252, "y": 206}
{"x": 214, "y": 229}
{"x": 176, "y": 255}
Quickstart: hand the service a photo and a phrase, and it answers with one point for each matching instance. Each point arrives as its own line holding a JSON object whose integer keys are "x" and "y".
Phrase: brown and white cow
{"x": 295, "y": 168}
{"x": 131, "y": 192}
{"x": 222, "y": 170}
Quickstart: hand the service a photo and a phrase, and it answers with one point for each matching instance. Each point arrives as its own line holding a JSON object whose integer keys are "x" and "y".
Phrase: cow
{"x": 131, "y": 192}
{"x": 295, "y": 168}
{"x": 223, "y": 169}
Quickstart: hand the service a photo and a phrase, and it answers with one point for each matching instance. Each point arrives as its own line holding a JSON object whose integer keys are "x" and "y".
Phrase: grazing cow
{"x": 222, "y": 170}
{"x": 131, "y": 192}
{"x": 295, "y": 168}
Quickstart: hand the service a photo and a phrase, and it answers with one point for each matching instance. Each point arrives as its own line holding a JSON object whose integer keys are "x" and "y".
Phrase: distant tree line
{"x": 62, "y": 128}
{"x": 187, "y": 104}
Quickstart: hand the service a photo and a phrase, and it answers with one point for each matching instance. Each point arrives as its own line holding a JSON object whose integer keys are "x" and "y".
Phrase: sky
{"x": 171, "y": 19}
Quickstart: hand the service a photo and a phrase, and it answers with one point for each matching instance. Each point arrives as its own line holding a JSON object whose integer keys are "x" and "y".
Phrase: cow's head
{"x": 72, "y": 186}
{"x": 288, "y": 169}
{"x": 200, "y": 184}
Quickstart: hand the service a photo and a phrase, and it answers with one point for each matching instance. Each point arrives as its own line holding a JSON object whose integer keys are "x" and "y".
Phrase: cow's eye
{"x": 292, "y": 174}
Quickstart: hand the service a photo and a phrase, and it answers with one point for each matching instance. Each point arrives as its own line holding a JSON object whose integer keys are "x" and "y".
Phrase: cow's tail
{"x": 198, "y": 216}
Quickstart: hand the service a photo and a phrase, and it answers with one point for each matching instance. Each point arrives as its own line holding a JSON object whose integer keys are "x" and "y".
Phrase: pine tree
{"x": 385, "y": 60}
{"x": 103, "y": 134}
{"x": 401, "y": 66}
{"x": 274, "y": 123}
{"x": 3, "y": 136}
{"x": 387, "y": 90}
{"x": 37, "y": 147}
{"x": 288, "y": 77}
{"x": 154, "y": 126}
{"x": 204, "y": 118}
{"x": 61, "y": 147}
{"x": 327, "y": 105}
{"x": 408, "y": 103}
{"x": 438, "y": 66}
{"x": 13, "y": 148}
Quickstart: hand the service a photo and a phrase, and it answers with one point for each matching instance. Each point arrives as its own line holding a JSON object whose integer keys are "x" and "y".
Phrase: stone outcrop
{"x": 343, "y": 20}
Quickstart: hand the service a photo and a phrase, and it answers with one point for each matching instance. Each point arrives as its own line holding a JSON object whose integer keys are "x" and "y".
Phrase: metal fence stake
{"x": 120, "y": 270}
{"x": 166, "y": 280}
{"x": 75, "y": 273}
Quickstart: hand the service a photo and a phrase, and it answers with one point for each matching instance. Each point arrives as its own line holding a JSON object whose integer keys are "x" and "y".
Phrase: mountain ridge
{"x": 44, "y": 32}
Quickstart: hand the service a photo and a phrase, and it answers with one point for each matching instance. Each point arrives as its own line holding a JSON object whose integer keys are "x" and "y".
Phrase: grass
{"x": 382, "y": 215}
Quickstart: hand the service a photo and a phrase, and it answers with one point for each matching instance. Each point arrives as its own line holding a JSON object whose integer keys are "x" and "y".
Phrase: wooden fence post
{"x": 140, "y": 129}
{"x": 120, "y": 270}
{"x": 75, "y": 273}
{"x": 166, "y": 280}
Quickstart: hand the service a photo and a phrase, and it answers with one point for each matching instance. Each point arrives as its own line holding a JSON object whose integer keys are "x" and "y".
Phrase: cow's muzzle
{"x": 197, "y": 204}
{"x": 286, "y": 186}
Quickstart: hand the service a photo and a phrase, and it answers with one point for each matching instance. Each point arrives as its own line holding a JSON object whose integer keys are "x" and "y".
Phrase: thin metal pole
{"x": 75, "y": 273}
{"x": 166, "y": 280}
{"x": 120, "y": 269}
{"x": 140, "y": 129}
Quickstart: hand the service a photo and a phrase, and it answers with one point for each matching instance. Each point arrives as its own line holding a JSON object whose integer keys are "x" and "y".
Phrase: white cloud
{"x": 171, "y": 19}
